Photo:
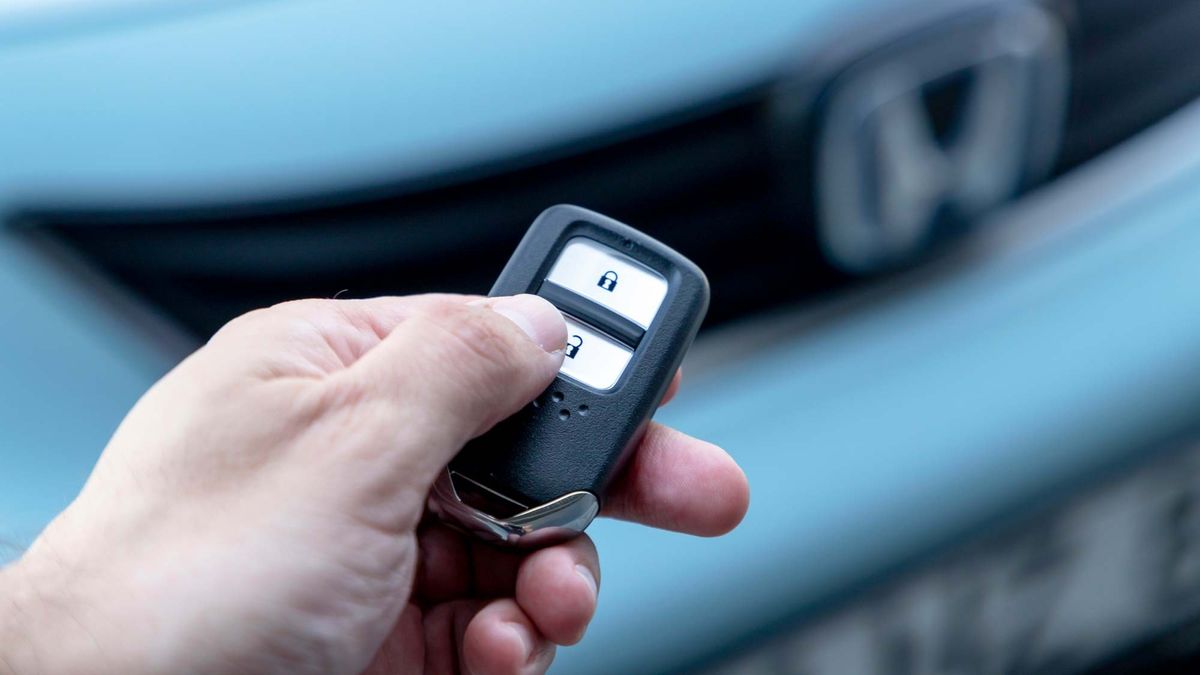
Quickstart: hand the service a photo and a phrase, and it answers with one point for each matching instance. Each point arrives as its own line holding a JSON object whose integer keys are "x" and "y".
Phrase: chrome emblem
{"x": 889, "y": 180}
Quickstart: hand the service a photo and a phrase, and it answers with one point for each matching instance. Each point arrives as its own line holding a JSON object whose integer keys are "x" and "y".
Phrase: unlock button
{"x": 603, "y": 275}
{"x": 591, "y": 357}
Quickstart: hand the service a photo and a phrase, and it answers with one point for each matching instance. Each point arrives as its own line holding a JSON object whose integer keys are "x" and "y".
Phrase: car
{"x": 949, "y": 244}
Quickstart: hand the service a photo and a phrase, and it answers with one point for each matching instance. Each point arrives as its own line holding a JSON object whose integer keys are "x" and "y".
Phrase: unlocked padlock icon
{"x": 608, "y": 281}
{"x": 572, "y": 348}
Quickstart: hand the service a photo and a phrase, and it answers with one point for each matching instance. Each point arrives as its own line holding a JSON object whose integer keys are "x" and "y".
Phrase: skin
{"x": 262, "y": 508}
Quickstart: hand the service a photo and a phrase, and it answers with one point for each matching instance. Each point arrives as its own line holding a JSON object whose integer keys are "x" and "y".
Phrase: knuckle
{"x": 472, "y": 331}
{"x": 298, "y": 306}
{"x": 257, "y": 319}
{"x": 473, "y": 352}
{"x": 240, "y": 323}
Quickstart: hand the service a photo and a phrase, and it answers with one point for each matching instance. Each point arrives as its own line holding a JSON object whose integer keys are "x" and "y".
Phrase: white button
{"x": 593, "y": 358}
{"x": 609, "y": 278}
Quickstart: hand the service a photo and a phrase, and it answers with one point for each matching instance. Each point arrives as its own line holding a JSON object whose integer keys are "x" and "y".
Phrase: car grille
{"x": 704, "y": 182}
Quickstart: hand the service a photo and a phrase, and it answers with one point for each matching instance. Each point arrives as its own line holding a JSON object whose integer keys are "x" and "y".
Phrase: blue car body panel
{"x": 72, "y": 363}
{"x": 270, "y": 100}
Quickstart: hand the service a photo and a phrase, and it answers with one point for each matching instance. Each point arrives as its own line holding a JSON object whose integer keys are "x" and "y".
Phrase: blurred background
{"x": 954, "y": 248}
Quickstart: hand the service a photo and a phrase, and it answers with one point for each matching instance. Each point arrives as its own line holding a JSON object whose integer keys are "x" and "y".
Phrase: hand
{"x": 262, "y": 508}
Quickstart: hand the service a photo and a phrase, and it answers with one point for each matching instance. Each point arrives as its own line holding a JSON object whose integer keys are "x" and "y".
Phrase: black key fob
{"x": 632, "y": 307}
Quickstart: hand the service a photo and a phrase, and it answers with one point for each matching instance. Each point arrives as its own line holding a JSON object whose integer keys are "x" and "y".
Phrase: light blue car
{"x": 956, "y": 319}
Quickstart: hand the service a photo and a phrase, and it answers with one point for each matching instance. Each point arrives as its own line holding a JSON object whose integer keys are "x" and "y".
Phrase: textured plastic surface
{"x": 540, "y": 453}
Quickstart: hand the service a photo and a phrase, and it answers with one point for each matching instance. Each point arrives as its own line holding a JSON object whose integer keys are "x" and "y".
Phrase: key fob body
{"x": 632, "y": 307}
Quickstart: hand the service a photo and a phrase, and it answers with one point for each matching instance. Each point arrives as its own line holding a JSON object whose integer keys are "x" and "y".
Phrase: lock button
{"x": 608, "y": 281}
{"x": 593, "y": 358}
{"x": 601, "y": 274}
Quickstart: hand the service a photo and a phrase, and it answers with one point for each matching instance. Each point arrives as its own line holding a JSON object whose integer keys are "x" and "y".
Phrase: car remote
{"x": 632, "y": 307}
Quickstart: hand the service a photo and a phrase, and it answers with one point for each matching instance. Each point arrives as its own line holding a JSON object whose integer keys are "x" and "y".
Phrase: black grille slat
{"x": 1141, "y": 70}
{"x": 208, "y": 269}
{"x": 1098, "y": 23}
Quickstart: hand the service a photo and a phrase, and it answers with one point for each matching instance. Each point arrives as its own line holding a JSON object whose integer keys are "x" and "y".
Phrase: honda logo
{"x": 921, "y": 138}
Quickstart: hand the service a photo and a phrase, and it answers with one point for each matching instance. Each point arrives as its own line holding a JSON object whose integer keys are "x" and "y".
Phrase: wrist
{"x": 22, "y": 624}
{"x": 26, "y": 621}
{"x": 43, "y": 626}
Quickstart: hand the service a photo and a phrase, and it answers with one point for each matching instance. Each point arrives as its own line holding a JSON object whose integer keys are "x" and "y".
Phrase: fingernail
{"x": 540, "y": 320}
{"x": 522, "y": 634}
{"x": 587, "y": 575}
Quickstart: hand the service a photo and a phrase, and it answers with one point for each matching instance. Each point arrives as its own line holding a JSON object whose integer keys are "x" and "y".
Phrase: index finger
{"x": 677, "y": 482}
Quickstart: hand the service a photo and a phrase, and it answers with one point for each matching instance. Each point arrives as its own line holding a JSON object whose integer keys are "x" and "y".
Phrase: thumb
{"x": 452, "y": 370}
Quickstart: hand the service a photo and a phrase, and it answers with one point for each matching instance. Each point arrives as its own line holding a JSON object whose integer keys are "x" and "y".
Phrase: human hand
{"x": 262, "y": 508}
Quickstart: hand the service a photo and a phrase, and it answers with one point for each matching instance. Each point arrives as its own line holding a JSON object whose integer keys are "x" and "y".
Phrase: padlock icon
{"x": 608, "y": 281}
{"x": 572, "y": 348}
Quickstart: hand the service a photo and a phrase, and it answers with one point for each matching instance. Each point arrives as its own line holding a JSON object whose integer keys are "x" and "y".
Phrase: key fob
{"x": 632, "y": 307}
